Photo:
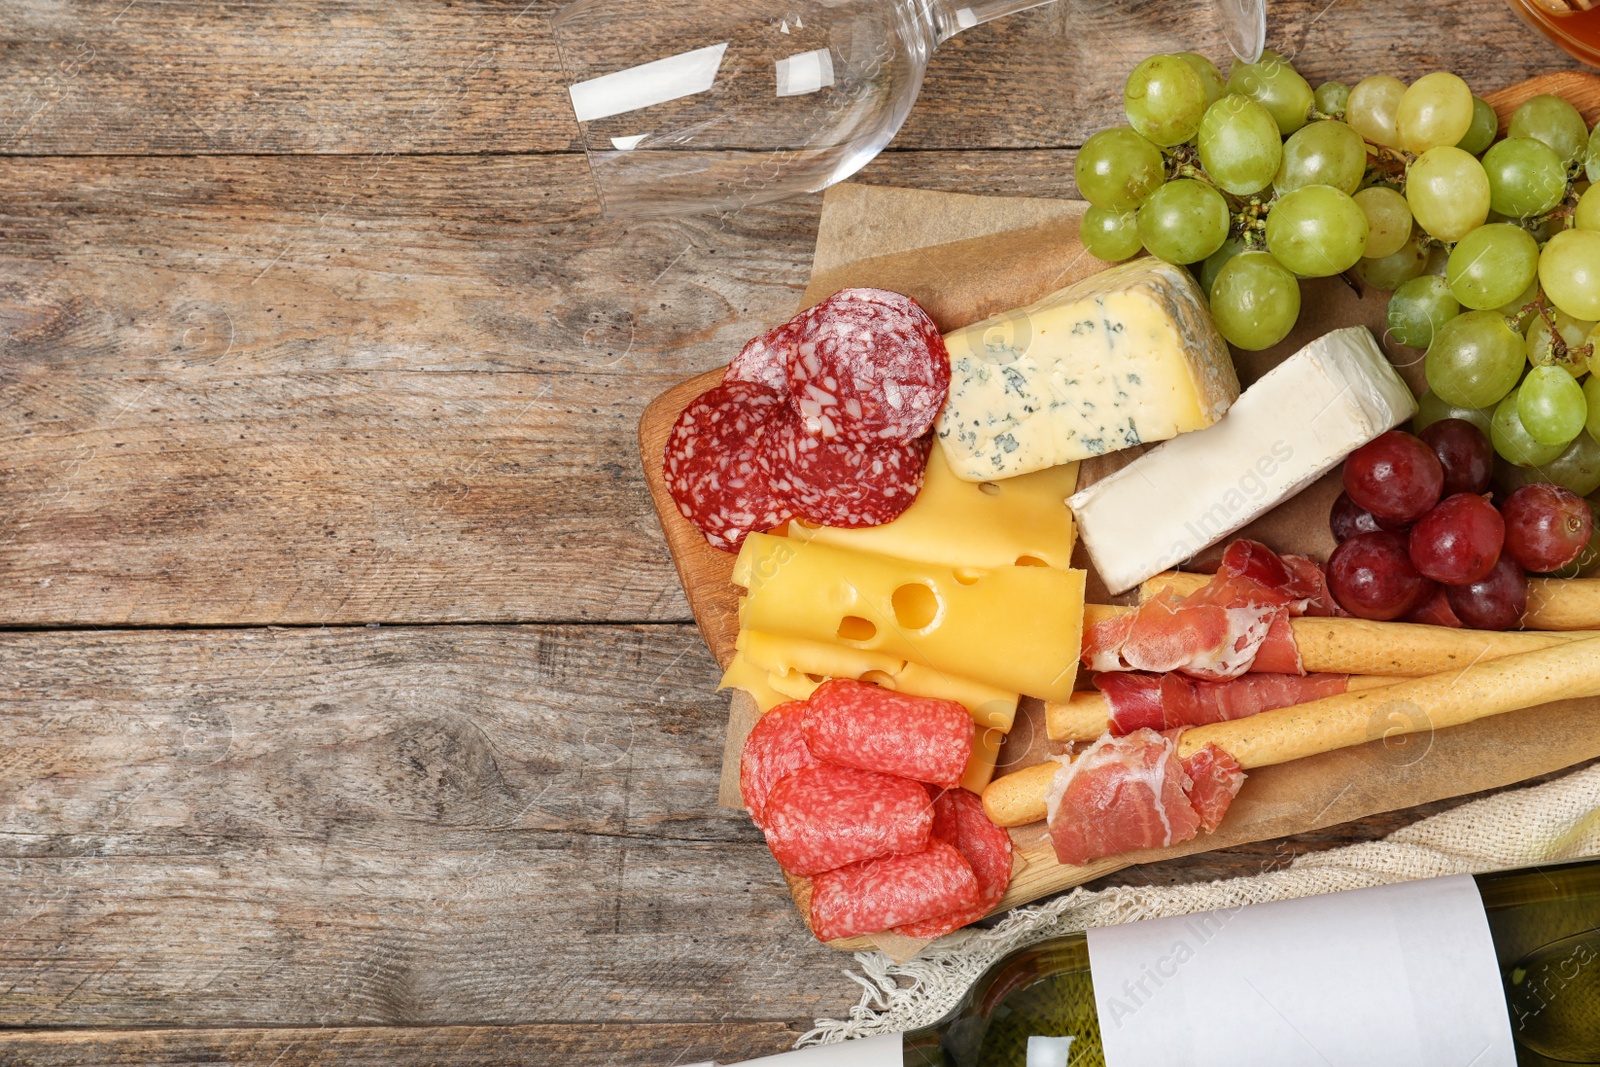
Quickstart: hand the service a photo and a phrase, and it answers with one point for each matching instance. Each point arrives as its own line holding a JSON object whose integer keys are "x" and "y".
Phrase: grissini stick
{"x": 1394, "y": 649}
{"x": 1449, "y": 698}
{"x": 1563, "y": 604}
{"x": 1088, "y": 715}
{"x": 1553, "y": 603}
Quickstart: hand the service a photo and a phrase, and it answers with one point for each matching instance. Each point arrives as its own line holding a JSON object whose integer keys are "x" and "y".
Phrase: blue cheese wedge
{"x": 1124, "y": 358}
{"x": 1288, "y": 429}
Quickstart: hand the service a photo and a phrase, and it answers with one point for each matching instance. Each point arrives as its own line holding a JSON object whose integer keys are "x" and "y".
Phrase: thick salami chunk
{"x": 833, "y": 483}
{"x": 764, "y": 360}
{"x": 870, "y": 897}
{"x": 860, "y": 725}
{"x": 868, "y": 366}
{"x": 712, "y": 467}
{"x": 959, "y": 819}
{"x": 825, "y": 816}
{"x": 774, "y": 750}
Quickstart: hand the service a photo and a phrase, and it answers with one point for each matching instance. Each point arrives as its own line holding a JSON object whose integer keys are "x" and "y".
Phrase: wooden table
{"x": 351, "y": 707}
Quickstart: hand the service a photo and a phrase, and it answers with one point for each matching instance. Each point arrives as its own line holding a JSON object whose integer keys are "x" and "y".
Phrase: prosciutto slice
{"x": 1214, "y": 780}
{"x": 1237, "y": 622}
{"x": 1168, "y": 701}
{"x": 1131, "y": 793}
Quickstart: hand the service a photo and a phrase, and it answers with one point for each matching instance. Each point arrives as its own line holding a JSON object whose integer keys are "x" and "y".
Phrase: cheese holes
{"x": 915, "y": 606}
{"x": 880, "y": 678}
{"x": 967, "y": 576}
{"x": 1031, "y": 561}
{"x": 855, "y": 628}
{"x": 988, "y": 489}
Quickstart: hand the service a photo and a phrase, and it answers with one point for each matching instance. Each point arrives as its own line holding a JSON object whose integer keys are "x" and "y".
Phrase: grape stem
{"x": 1561, "y": 353}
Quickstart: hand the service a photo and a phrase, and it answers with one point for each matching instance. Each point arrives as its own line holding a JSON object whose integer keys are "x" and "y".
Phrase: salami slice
{"x": 868, "y": 366}
{"x": 860, "y": 725}
{"x": 712, "y": 463}
{"x": 959, "y": 820}
{"x": 774, "y": 750}
{"x": 825, "y": 816}
{"x": 839, "y": 484}
{"x": 867, "y": 898}
{"x": 765, "y": 360}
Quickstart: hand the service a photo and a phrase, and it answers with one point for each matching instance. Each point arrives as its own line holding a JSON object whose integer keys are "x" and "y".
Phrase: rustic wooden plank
{"x": 597, "y": 1044}
{"x": 292, "y": 390}
{"x": 381, "y": 825}
{"x": 334, "y": 76}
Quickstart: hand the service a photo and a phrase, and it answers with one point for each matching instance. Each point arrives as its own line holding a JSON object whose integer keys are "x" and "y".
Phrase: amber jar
{"x": 1578, "y": 35}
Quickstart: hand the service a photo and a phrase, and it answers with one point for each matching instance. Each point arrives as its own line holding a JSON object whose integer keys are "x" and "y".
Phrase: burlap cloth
{"x": 1543, "y": 824}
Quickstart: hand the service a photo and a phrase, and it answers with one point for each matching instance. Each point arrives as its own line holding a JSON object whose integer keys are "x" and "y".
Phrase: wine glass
{"x": 722, "y": 104}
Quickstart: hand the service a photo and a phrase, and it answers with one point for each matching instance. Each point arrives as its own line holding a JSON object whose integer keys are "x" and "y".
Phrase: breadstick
{"x": 1088, "y": 715}
{"x": 1553, "y": 603}
{"x": 1410, "y": 649}
{"x": 1395, "y": 649}
{"x": 1563, "y": 604}
{"x": 1449, "y": 698}
{"x": 1018, "y": 798}
{"x": 1435, "y": 702}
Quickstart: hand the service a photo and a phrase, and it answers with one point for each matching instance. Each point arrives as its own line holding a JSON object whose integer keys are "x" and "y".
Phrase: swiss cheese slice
{"x": 787, "y": 657}
{"x": 1126, "y": 357}
{"x": 959, "y": 523}
{"x": 742, "y": 674}
{"x": 1015, "y": 628}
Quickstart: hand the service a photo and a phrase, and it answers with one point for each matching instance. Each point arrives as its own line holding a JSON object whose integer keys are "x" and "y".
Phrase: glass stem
{"x": 950, "y": 17}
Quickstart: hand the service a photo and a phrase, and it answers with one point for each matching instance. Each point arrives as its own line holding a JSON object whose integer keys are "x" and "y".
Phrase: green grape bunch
{"x": 1489, "y": 245}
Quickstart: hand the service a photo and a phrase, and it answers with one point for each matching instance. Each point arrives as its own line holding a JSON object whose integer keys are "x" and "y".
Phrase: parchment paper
{"x": 999, "y": 253}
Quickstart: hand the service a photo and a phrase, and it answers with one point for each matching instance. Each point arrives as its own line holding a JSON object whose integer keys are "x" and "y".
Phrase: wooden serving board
{"x": 1021, "y": 265}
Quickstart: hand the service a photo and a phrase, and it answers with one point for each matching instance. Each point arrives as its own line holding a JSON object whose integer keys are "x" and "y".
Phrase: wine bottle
{"x": 1525, "y": 943}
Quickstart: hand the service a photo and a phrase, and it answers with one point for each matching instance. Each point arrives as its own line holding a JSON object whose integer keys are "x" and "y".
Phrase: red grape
{"x": 1497, "y": 602}
{"x": 1547, "y": 527}
{"x": 1458, "y": 541}
{"x": 1395, "y": 476}
{"x": 1346, "y": 520}
{"x": 1372, "y": 577}
{"x": 1465, "y": 454}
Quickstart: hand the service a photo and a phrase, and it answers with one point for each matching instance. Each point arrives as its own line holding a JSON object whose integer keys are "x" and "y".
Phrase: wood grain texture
{"x": 314, "y": 76}
{"x": 210, "y": 365}
{"x": 294, "y": 391}
{"x": 596, "y": 1044}
{"x": 381, "y": 826}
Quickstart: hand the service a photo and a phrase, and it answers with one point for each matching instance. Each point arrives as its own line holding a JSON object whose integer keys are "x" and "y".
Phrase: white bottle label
{"x": 882, "y": 1051}
{"x": 1401, "y": 974}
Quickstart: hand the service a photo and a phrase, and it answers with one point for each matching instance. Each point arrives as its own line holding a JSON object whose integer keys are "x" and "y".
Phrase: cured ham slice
{"x": 1311, "y": 585}
{"x": 1214, "y": 780}
{"x": 1131, "y": 793}
{"x": 1169, "y": 701}
{"x": 1236, "y": 622}
{"x": 1123, "y": 794}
